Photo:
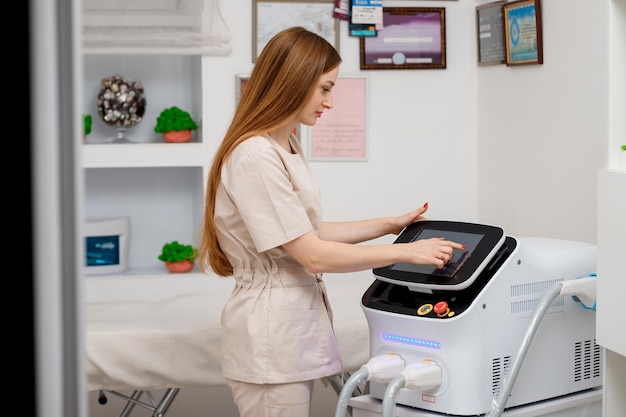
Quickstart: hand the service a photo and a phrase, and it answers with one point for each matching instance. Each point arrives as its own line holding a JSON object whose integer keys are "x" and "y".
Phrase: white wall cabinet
{"x": 159, "y": 185}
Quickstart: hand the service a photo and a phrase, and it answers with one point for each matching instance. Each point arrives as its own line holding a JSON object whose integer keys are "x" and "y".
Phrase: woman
{"x": 263, "y": 225}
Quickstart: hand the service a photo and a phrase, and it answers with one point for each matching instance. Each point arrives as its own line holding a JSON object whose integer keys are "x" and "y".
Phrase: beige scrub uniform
{"x": 277, "y": 323}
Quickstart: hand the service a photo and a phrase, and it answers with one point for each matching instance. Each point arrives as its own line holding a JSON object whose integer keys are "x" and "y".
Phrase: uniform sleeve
{"x": 259, "y": 184}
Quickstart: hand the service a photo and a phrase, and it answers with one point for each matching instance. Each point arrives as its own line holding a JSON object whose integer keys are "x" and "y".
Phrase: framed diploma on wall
{"x": 412, "y": 38}
{"x": 522, "y": 29}
{"x": 490, "y": 33}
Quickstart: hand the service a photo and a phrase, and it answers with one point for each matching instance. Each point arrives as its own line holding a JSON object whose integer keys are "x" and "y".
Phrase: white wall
{"x": 542, "y": 129}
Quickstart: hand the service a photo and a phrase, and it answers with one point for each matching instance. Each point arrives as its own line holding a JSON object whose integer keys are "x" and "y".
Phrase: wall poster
{"x": 272, "y": 16}
{"x": 341, "y": 133}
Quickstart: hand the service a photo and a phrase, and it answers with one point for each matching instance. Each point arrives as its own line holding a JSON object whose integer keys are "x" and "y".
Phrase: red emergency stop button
{"x": 441, "y": 307}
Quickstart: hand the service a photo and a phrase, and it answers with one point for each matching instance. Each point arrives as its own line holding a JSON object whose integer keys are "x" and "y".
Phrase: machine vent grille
{"x": 535, "y": 289}
{"x": 586, "y": 360}
{"x": 499, "y": 368}
{"x": 532, "y": 288}
{"x": 527, "y": 306}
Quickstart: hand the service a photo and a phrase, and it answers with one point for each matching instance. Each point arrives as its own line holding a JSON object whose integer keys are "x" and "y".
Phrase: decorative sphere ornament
{"x": 121, "y": 103}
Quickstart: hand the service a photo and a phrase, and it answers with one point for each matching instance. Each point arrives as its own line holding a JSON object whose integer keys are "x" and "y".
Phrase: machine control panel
{"x": 482, "y": 243}
{"x": 436, "y": 304}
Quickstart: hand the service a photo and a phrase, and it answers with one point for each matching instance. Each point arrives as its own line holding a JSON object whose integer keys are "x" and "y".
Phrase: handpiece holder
{"x": 583, "y": 290}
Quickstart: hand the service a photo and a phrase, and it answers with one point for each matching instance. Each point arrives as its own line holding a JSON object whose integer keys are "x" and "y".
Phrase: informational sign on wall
{"x": 490, "y": 28}
{"x": 341, "y": 132}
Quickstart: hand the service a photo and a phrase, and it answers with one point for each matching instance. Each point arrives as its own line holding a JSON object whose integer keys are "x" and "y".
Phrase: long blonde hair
{"x": 282, "y": 80}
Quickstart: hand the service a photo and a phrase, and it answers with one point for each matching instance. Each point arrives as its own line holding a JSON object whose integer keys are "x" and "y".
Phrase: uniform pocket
{"x": 294, "y": 339}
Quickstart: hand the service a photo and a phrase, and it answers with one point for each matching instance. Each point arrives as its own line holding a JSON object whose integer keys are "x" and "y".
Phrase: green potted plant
{"x": 175, "y": 125}
{"x": 178, "y": 257}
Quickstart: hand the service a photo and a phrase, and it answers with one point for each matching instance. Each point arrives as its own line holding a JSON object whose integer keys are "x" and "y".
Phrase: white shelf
{"x": 170, "y": 27}
{"x": 151, "y": 285}
{"x": 144, "y": 47}
{"x": 149, "y": 273}
{"x": 112, "y": 155}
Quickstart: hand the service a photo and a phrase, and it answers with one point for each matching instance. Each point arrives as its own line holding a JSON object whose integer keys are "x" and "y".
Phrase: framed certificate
{"x": 272, "y": 16}
{"x": 412, "y": 38}
{"x": 522, "y": 28}
{"x": 490, "y": 33}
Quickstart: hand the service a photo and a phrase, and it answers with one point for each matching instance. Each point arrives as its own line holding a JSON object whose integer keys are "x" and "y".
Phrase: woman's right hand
{"x": 325, "y": 256}
{"x": 434, "y": 251}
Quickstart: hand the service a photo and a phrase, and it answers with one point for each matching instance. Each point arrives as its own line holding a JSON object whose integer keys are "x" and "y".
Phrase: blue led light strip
{"x": 410, "y": 341}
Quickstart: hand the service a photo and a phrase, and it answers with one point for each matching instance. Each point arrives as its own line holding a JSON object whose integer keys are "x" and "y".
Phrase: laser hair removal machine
{"x": 470, "y": 317}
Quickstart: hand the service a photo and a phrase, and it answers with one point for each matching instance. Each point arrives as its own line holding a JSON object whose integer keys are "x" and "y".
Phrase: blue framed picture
{"x": 522, "y": 29}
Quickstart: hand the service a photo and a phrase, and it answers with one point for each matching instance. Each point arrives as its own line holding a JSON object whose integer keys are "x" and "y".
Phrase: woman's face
{"x": 321, "y": 99}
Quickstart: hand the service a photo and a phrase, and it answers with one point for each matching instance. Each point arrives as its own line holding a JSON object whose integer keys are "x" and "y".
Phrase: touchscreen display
{"x": 459, "y": 257}
{"x": 482, "y": 243}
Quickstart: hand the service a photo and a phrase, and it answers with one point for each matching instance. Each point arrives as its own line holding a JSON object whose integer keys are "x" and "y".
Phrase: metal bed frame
{"x": 159, "y": 407}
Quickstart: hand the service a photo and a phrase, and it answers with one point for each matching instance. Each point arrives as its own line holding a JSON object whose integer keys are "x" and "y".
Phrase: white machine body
{"x": 478, "y": 335}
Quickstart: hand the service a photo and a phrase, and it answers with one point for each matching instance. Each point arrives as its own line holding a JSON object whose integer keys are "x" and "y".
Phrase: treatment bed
{"x": 155, "y": 342}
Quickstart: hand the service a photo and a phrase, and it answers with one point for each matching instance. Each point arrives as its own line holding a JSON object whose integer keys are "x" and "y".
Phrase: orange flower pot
{"x": 178, "y": 267}
{"x": 177, "y": 136}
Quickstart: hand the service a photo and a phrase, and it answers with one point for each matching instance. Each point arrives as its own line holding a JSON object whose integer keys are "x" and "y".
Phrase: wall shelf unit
{"x": 158, "y": 185}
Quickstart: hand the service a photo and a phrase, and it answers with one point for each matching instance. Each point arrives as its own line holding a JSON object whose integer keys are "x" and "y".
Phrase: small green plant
{"x": 177, "y": 252}
{"x": 624, "y": 147}
{"x": 86, "y": 124}
{"x": 174, "y": 119}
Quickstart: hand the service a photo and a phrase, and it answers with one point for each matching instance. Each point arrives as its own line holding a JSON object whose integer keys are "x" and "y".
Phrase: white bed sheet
{"x": 175, "y": 342}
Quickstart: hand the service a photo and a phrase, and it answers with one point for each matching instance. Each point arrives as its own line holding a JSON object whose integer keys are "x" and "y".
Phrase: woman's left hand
{"x": 410, "y": 217}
